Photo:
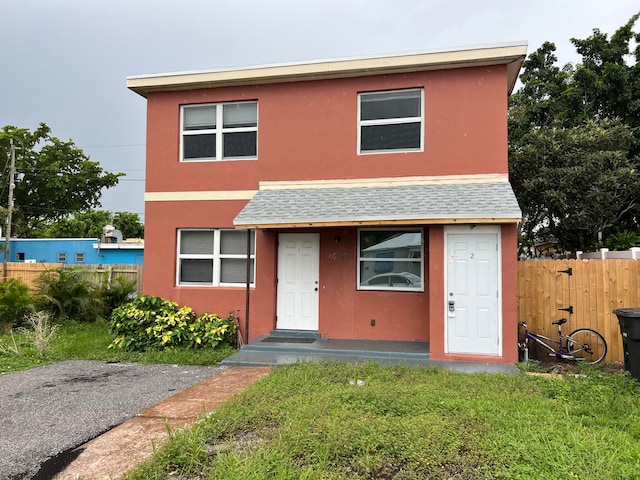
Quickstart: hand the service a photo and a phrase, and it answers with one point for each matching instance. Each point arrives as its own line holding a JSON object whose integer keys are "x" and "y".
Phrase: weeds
{"x": 90, "y": 341}
{"x": 11, "y": 347}
{"x": 42, "y": 333}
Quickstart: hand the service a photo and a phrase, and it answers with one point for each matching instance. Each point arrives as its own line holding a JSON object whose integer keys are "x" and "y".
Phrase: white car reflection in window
{"x": 395, "y": 279}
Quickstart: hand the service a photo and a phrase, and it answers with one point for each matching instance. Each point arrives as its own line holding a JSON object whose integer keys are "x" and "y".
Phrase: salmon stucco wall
{"x": 308, "y": 131}
{"x": 161, "y": 259}
{"x": 346, "y": 312}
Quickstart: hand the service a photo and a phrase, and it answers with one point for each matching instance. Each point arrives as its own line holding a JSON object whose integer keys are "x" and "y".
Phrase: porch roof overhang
{"x": 472, "y": 199}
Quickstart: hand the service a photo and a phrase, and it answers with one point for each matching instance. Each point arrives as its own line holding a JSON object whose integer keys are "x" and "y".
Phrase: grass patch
{"x": 313, "y": 421}
{"x": 90, "y": 341}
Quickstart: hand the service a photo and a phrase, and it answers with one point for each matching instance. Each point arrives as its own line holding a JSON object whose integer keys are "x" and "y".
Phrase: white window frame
{"x": 79, "y": 257}
{"x": 216, "y": 256}
{"x": 390, "y": 121}
{"x": 411, "y": 259}
{"x": 219, "y": 131}
{"x": 62, "y": 257}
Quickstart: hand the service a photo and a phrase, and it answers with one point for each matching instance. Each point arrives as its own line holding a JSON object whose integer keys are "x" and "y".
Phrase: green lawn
{"x": 316, "y": 421}
{"x": 89, "y": 341}
{"x": 313, "y": 421}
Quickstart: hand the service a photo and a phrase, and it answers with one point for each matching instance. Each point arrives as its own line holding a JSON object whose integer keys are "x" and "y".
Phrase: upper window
{"x": 222, "y": 131}
{"x": 390, "y": 121}
{"x": 214, "y": 257}
{"x": 390, "y": 260}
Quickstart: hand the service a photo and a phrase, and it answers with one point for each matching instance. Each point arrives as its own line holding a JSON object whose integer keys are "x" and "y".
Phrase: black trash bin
{"x": 629, "y": 320}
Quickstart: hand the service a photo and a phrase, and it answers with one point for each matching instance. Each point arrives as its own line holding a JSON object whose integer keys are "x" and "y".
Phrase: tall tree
{"x": 574, "y": 141}
{"x": 59, "y": 179}
{"x": 583, "y": 183}
{"x": 90, "y": 224}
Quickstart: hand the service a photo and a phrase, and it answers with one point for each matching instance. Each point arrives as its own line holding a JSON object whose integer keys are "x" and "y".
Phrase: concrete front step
{"x": 259, "y": 356}
{"x": 308, "y": 349}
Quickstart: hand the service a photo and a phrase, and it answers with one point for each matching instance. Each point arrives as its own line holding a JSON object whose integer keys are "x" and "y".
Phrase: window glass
{"x": 390, "y": 105}
{"x": 200, "y": 146}
{"x": 197, "y": 241}
{"x": 79, "y": 257}
{"x": 62, "y": 257}
{"x": 402, "y": 136}
{"x": 220, "y": 131}
{"x": 234, "y": 242}
{"x": 390, "y": 121}
{"x": 390, "y": 260}
{"x": 234, "y": 270}
{"x": 200, "y": 117}
{"x": 214, "y": 257}
{"x": 237, "y": 115}
{"x": 196, "y": 270}
{"x": 240, "y": 144}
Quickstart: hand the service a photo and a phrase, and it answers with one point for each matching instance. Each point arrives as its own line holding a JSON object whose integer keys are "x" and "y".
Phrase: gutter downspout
{"x": 248, "y": 292}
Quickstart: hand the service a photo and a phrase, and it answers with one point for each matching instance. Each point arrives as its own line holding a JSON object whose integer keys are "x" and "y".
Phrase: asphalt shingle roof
{"x": 307, "y": 206}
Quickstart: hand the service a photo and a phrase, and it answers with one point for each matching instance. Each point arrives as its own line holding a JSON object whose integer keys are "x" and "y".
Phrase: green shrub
{"x": 150, "y": 322}
{"x": 16, "y": 303}
{"x": 66, "y": 294}
{"x": 116, "y": 292}
{"x": 623, "y": 240}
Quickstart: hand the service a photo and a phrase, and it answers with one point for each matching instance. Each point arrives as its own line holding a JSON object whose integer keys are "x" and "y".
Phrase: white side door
{"x": 298, "y": 278}
{"x": 473, "y": 313}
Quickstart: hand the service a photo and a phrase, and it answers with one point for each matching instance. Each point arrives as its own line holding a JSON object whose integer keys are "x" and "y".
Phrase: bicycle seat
{"x": 562, "y": 321}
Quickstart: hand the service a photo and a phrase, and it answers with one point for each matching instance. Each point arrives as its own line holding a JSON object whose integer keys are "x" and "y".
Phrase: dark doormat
{"x": 288, "y": 340}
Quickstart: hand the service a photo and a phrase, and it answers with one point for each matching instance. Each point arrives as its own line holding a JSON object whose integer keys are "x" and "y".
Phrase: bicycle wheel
{"x": 586, "y": 345}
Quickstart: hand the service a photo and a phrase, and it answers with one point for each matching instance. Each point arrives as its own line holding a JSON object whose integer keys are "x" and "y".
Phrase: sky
{"x": 65, "y": 62}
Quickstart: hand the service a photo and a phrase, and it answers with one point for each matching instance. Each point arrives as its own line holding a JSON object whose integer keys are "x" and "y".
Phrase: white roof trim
{"x": 512, "y": 54}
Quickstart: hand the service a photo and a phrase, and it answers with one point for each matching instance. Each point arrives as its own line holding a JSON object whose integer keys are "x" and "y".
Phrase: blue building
{"x": 74, "y": 251}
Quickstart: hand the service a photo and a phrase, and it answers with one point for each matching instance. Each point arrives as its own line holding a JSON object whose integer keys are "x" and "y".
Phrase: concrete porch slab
{"x": 259, "y": 353}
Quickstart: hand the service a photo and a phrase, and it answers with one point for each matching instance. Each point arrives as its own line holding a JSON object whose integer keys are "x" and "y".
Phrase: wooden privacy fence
{"x": 29, "y": 272}
{"x": 595, "y": 289}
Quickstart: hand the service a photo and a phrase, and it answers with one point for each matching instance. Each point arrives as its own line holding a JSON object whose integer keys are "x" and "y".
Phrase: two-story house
{"x": 374, "y": 194}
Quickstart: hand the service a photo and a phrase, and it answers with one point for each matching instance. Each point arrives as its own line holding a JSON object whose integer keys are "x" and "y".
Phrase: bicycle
{"x": 582, "y": 345}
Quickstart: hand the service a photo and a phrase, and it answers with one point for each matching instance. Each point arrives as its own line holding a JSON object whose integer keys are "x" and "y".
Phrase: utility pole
{"x": 12, "y": 185}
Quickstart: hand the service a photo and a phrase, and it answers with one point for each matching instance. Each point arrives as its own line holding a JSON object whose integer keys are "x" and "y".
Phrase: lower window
{"x": 214, "y": 257}
{"x": 390, "y": 260}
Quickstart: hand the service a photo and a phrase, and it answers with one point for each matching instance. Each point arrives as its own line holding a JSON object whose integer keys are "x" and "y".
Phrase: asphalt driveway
{"x": 48, "y": 410}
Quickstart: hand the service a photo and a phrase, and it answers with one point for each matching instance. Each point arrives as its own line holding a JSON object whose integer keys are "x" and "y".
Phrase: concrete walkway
{"x": 122, "y": 448}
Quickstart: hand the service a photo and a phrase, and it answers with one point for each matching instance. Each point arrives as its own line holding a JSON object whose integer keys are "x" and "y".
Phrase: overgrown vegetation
{"x": 64, "y": 318}
{"x": 150, "y": 322}
{"x": 313, "y": 421}
{"x": 42, "y": 332}
{"x": 66, "y": 294}
{"x": 16, "y": 303}
{"x": 90, "y": 341}
{"x": 115, "y": 292}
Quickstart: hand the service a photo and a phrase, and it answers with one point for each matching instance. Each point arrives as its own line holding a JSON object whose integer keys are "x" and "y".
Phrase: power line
{"x": 113, "y": 145}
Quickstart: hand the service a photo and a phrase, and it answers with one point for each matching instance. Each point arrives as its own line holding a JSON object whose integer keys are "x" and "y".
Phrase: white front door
{"x": 298, "y": 277}
{"x": 472, "y": 290}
